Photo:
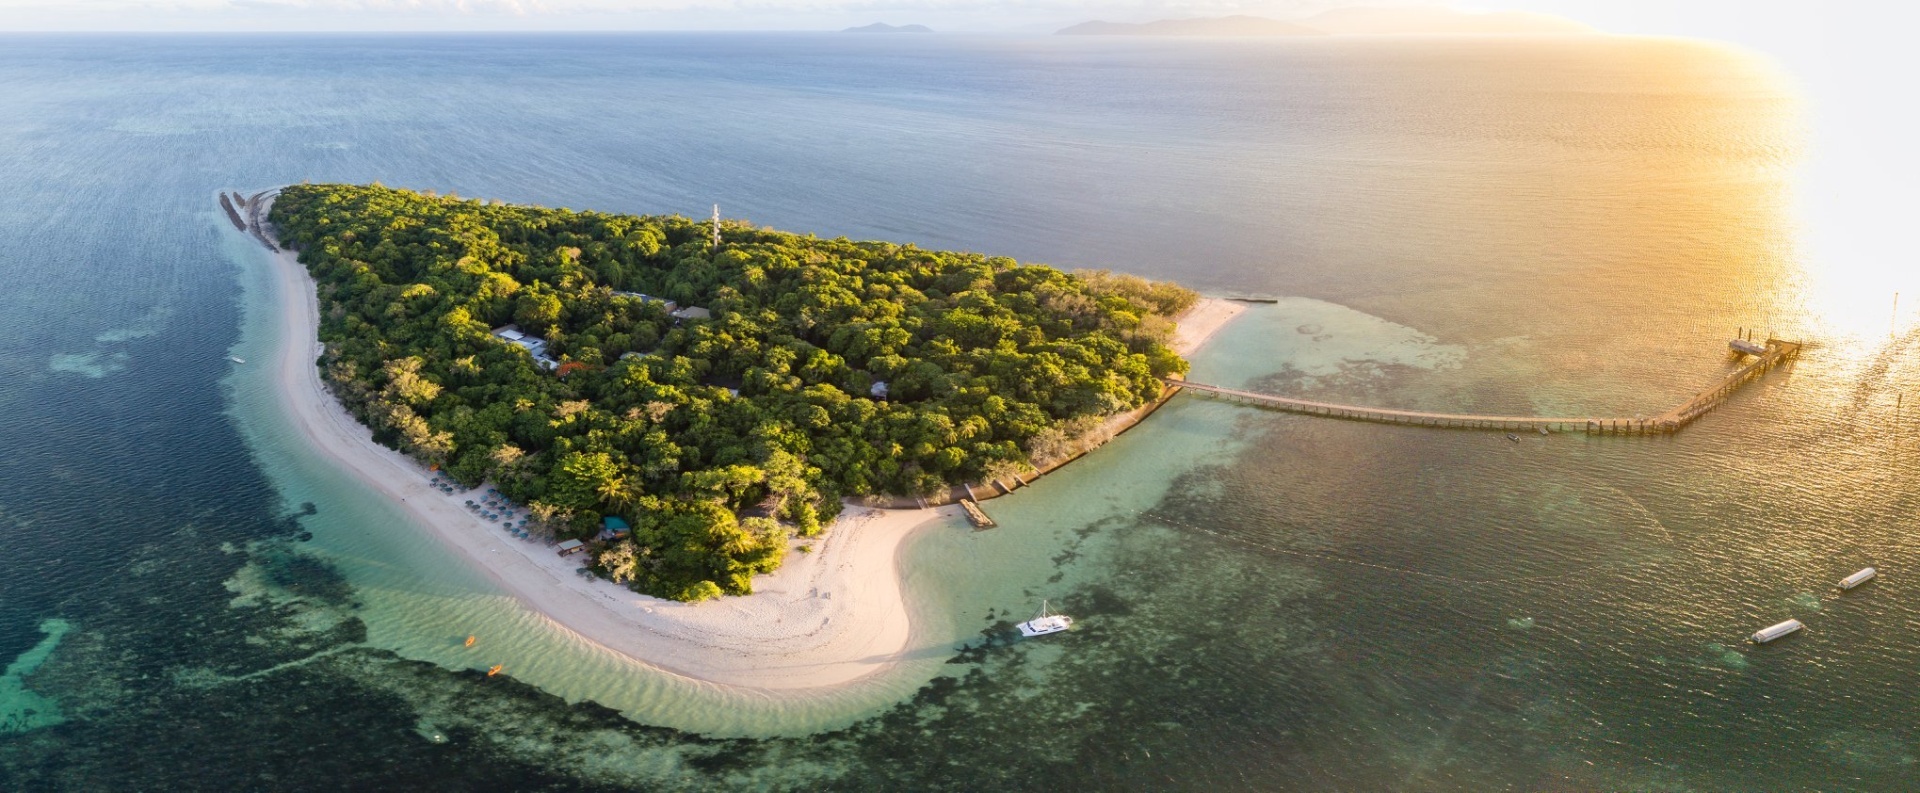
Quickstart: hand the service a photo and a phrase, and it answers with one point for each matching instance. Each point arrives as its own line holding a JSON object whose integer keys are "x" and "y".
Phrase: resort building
{"x": 692, "y": 312}
{"x": 534, "y": 345}
{"x": 613, "y": 528}
{"x": 668, "y": 304}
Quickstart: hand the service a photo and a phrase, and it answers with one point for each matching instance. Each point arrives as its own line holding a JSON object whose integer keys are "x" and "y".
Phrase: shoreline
{"x": 1196, "y": 326}
{"x": 1193, "y": 329}
{"x": 826, "y": 620}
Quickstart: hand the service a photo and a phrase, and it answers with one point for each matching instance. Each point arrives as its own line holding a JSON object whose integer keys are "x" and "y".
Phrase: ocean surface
{"x": 189, "y": 600}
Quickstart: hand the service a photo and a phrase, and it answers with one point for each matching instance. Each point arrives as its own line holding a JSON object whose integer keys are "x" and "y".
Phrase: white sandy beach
{"x": 1198, "y": 324}
{"x": 826, "y": 619}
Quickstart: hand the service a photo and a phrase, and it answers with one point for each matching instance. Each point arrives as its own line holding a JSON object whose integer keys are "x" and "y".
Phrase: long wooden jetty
{"x": 1777, "y": 351}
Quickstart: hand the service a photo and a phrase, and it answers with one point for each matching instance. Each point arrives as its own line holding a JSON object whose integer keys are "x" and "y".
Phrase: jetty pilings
{"x": 1667, "y": 423}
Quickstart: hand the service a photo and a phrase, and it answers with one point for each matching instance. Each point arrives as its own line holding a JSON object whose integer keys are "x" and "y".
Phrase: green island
{"x": 721, "y": 398}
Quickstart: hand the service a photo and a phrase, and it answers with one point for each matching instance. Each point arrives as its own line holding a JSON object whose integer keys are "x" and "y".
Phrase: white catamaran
{"x": 1047, "y": 622}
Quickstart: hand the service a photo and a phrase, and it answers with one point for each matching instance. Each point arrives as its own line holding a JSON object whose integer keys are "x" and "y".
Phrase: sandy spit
{"x": 1197, "y": 325}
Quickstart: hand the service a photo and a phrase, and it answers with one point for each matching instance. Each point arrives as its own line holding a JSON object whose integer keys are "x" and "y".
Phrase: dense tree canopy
{"x": 768, "y": 408}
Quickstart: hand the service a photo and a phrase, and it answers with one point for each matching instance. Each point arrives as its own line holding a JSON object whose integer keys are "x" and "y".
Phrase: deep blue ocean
{"x": 1528, "y": 226}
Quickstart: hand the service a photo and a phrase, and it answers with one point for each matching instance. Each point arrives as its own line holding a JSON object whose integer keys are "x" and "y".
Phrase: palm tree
{"x": 618, "y": 491}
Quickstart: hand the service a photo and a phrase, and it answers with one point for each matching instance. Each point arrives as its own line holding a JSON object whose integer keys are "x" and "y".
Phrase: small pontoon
{"x": 1772, "y": 632}
{"x": 1858, "y": 578}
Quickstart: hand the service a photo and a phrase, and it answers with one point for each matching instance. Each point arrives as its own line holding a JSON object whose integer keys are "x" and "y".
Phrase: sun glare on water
{"x": 1855, "y": 309}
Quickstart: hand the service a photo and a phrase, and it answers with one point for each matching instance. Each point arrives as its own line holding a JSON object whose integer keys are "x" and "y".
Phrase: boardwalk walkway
{"x": 1671, "y": 421}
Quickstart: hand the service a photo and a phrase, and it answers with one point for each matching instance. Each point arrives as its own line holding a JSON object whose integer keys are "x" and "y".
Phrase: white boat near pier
{"x": 1047, "y": 622}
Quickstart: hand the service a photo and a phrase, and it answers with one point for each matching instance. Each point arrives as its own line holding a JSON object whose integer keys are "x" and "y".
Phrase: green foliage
{"x": 581, "y": 481}
{"x": 766, "y": 408}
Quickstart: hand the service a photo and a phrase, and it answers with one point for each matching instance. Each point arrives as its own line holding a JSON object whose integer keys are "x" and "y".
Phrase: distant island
{"x": 716, "y": 398}
{"x": 882, "y": 27}
{"x": 1346, "y": 22}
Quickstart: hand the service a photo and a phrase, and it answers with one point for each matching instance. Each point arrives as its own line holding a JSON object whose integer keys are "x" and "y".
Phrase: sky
{"x": 1659, "y": 17}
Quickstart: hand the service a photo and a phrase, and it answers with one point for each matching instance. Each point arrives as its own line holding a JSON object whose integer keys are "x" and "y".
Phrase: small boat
{"x": 1543, "y": 431}
{"x": 236, "y": 359}
{"x": 1046, "y": 622}
{"x": 496, "y": 669}
{"x": 469, "y": 641}
{"x": 1772, "y": 632}
{"x": 1513, "y": 437}
{"x": 1858, "y": 578}
{"x": 1747, "y": 347}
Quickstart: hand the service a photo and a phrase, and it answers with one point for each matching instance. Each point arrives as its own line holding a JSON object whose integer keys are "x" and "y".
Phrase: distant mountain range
{"x": 882, "y": 27}
{"x": 1345, "y": 22}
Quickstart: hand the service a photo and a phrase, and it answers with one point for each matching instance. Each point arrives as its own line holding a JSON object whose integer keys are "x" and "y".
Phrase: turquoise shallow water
{"x": 1264, "y": 601}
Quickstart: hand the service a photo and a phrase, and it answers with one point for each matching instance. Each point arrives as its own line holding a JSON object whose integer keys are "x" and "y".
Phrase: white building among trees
{"x": 534, "y": 345}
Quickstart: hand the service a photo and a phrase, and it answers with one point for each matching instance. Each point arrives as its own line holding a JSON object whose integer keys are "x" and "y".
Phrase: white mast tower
{"x": 716, "y": 226}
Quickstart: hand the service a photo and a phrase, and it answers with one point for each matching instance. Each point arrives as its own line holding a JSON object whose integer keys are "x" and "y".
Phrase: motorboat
{"x": 1046, "y": 622}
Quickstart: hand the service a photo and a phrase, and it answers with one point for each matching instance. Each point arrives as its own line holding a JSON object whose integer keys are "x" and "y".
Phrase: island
{"x": 833, "y": 615}
{"x": 882, "y": 27}
{"x": 681, "y": 399}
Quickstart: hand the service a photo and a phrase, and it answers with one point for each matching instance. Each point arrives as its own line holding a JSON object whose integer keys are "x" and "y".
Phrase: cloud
{"x": 418, "y": 7}
{"x": 649, "y": 6}
{"x": 453, "y": 15}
